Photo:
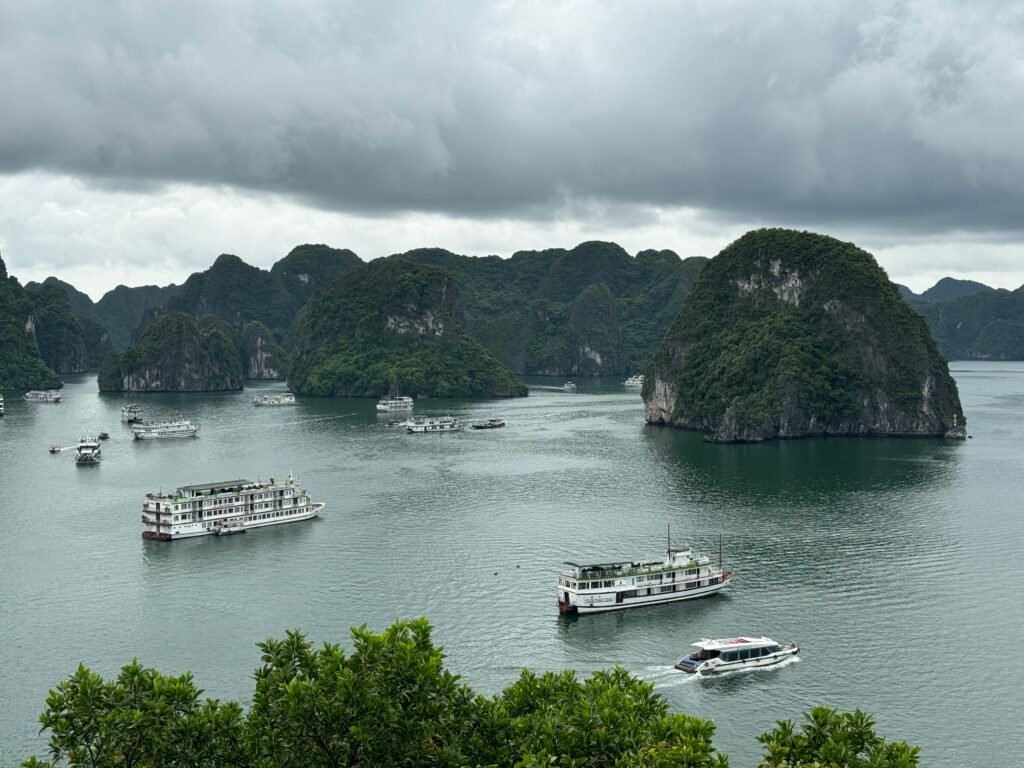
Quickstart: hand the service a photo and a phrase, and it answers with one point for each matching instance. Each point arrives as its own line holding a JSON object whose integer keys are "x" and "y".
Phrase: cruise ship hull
{"x": 604, "y": 602}
{"x": 192, "y": 530}
{"x": 163, "y": 435}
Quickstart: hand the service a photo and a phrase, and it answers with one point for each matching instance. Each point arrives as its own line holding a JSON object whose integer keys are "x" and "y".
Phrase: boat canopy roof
{"x": 727, "y": 643}
{"x": 215, "y": 486}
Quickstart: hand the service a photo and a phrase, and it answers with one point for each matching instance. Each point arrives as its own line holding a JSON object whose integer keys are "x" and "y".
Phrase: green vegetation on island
{"x": 790, "y": 334}
{"x": 21, "y": 366}
{"x": 68, "y": 342}
{"x": 392, "y": 325}
{"x": 263, "y": 357}
{"x": 177, "y": 353}
{"x": 239, "y": 293}
{"x": 590, "y": 310}
{"x": 390, "y": 701}
{"x": 986, "y": 325}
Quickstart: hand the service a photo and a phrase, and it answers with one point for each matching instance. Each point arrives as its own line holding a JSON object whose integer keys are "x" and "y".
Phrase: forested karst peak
{"x": 787, "y": 334}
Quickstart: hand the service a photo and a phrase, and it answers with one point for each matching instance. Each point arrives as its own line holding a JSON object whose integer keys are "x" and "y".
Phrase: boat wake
{"x": 670, "y": 677}
{"x": 749, "y": 670}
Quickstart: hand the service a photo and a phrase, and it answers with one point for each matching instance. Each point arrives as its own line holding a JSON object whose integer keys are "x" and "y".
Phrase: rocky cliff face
{"x": 176, "y": 354}
{"x": 264, "y": 357}
{"x": 791, "y": 334}
{"x": 21, "y": 366}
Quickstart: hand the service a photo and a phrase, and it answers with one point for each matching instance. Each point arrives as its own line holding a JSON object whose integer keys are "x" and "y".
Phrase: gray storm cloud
{"x": 907, "y": 115}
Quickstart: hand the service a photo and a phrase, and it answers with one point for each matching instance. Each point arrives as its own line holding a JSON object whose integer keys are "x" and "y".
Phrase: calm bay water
{"x": 894, "y": 563}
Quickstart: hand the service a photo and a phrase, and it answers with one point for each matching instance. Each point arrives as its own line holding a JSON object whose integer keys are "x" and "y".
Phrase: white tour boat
{"x": 1, "y": 405}
{"x": 636, "y": 380}
{"x": 432, "y": 424}
{"x": 286, "y": 398}
{"x": 733, "y": 653}
{"x": 569, "y": 386}
{"x": 88, "y": 451}
{"x": 160, "y": 430}
{"x": 131, "y": 413}
{"x": 680, "y": 575}
{"x": 489, "y": 424}
{"x": 398, "y": 403}
{"x": 218, "y": 509}
{"x": 43, "y": 396}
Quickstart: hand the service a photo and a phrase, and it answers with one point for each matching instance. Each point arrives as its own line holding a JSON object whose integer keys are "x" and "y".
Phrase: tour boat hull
{"x": 194, "y": 530}
{"x": 602, "y": 603}
{"x": 716, "y": 667}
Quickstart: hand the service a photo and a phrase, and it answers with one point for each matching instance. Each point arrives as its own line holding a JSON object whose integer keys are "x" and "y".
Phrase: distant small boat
{"x": 43, "y": 396}
{"x": 1, "y": 405}
{"x": 569, "y": 386}
{"x": 636, "y": 380}
{"x": 399, "y": 403}
{"x": 286, "y": 398}
{"x": 131, "y": 413}
{"x": 489, "y": 424}
{"x": 55, "y": 448}
{"x": 733, "y": 653}
{"x": 103, "y": 435}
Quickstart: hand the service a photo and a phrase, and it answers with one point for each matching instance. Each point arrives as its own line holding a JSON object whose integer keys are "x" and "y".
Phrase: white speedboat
{"x": 680, "y": 575}
{"x": 1, "y": 405}
{"x": 732, "y": 653}
{"x": 569, "y": 386}
{"x": 131, "y": 413}
{"x": 399, "y": 403}
{"x": 224, "y": 508}
{"x": 43, "y": 396}
{"x": 88, "y": 451}
{"x": 636, "y": 380}
{"x": 432, "y": 424}
{"x": 262, "y": 401}
{"x": 161, "y": 430}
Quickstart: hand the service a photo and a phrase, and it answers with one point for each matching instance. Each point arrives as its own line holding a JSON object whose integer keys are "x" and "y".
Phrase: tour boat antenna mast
{"x": 669, "y": 538}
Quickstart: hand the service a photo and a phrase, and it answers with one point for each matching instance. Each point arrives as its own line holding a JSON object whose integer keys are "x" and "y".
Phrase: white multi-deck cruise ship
{"x": 161, "y": 430}
{"x": 88, "y": 451}
{"x": 1, "y": 405}
{"x": 399, "y": 403}
{"x": 681, "y": 575}
{"x": 231, "y": 506}
{"x": 432, "y": 424}
{"x": 261, "y": 401}
{"x": 43, "y": 396}
{"x": 636, "y": 380}
{"x": 131, "y": 413}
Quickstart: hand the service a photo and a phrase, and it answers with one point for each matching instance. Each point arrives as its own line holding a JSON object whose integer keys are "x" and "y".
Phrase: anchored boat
{"x": 732, "y": 653}
{"x": 160, "y": 430}
{"x": 399, "y": 403}
{"x": 131, "y": 413}
{"x": 43, "y": 396}
{"x": 220, "y": 509}
{"x": 432, "y": 424}
{"x": 489, "y": 424}
{"x": 680, "y": 575}
{"x": 262, "y": 401}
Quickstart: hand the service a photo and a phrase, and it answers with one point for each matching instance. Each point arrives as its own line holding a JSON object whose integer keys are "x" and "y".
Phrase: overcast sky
{"x": 140, "y": 139}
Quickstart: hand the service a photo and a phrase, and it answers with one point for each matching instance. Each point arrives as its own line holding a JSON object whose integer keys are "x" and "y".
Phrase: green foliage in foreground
{"x": 391, "y": 702}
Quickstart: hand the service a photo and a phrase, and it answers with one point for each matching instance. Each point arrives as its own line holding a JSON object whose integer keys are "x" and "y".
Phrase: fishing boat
{"x": 569, "y": 386}
{"x": 55, "y": 448}
{"x": 432, "y": 424}
{"x": 680, "y": 575}
{"x": 225, "y": 508}
{"x": 88, "y": 451}
{"x": 262, "y": 401}
{"x": 131, "y": 413}
{"x": 43, "y": 396}
{"x": 733, "y": 653}
{"x": 636, "y": 380}
{"x": 397, "y": 403}
{"x": 489, "y": 424}
{"x": 161, "y": 430}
